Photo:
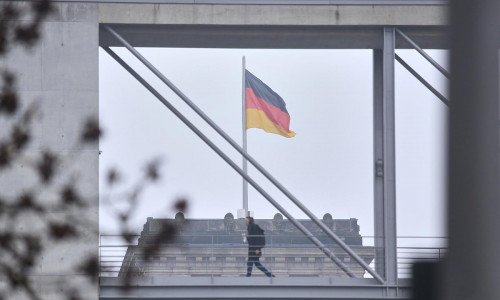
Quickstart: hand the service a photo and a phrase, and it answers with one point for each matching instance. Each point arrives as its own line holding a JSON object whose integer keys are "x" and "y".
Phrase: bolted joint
{"x": 379, "y": 168}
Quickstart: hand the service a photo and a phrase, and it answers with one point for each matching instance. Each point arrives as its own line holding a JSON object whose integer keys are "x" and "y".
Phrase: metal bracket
{"x": 379, "y": 168}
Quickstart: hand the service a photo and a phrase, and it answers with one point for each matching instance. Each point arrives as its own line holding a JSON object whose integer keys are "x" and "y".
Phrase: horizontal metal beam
{"x": 251, "y": 288}
{"x": 275, "y": 2}
{"x": 267, "y": 36}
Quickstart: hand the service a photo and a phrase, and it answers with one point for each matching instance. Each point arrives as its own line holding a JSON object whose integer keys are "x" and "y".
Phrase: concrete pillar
{"x": 61, "y": 73}
{"x": 473, "y": 203}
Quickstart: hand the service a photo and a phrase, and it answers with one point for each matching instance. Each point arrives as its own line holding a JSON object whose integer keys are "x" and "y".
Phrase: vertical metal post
{"x": 378, "y": 157}
{"x": 388, "y": 163}
{"x": 244, "y": 134}
{"x": 473, "y": 261}
{"x": 389, "y": 157}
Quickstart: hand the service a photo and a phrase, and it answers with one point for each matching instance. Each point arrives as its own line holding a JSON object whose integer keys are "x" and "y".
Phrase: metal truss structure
{"x": 384, "y": 41}
{"x": 384, "y": 155}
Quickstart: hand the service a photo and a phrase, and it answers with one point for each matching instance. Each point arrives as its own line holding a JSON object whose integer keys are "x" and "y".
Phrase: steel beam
{"x": 274, "y": 2}
{"x": 268, "y": 36}
{"x": 424, "y": 54}
{"x": 423, "y": 81}
{"x": 258, "y": 288}
{"x": 378, "y": 157}
{"x": 384, "y": 159}
{"x": 389, "y": 156}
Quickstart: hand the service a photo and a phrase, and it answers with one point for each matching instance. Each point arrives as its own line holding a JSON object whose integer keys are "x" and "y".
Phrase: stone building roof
{"x": 227, "y": 231}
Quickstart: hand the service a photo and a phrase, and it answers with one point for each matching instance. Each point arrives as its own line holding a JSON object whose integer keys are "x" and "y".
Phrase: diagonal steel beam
{"x": 237, "y": 147}
{"x": 424, "y": 54}
{"x": 423, "y": 81}
{"x": 191, "y": 126}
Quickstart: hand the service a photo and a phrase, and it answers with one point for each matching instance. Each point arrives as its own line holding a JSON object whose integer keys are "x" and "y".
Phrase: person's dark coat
{"x": 253, "y": 231}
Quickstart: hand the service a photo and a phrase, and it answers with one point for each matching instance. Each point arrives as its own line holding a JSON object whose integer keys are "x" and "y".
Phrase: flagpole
{"x": 244, "y": 134}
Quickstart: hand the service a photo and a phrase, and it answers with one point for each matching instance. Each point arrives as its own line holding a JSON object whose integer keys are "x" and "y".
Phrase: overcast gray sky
{"x": 328, "y": 165}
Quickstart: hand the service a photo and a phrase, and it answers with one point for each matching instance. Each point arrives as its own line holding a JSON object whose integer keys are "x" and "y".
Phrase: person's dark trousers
{"x": 253, "y": 258}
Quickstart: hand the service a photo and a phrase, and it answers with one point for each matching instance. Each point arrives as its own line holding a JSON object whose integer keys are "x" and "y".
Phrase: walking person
{"x": 255, "y": 241}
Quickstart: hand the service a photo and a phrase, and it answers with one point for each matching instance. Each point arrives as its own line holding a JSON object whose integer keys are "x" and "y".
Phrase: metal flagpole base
{"x": 242, "y": 213}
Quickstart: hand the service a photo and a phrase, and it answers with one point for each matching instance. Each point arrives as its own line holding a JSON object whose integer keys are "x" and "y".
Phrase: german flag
{"x": 265, "y": 109}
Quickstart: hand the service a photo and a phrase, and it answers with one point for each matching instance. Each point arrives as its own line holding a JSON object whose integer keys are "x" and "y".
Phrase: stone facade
{"x": 215, "y": 247}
